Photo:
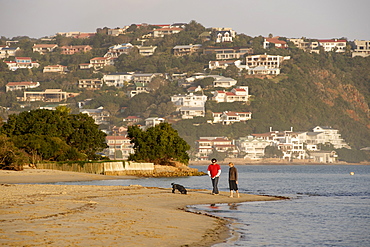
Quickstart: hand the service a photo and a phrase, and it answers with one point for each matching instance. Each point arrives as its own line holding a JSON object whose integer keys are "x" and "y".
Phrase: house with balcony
{"x": 224, "y": 34}
{"x": 49, "y": 95}
{"x": 208, "y": 145}
{"x": 264, "y": 64}
{"x": 361, "y": 48}
{"x": 116, "y": 50}
{"x": 44, "y": 48}
{"x": 144, "y": 78}
{"x": 146, "y": 51}
{"x": 118, "y": 79}
{"x": 223, "y": 64}
{"x": 153, "y": 121}
{"x": 100, "y": 62}
{"x": 6, "y": 51}
{"x": 117, "y": 31}
{"x": 230, "y": 117}
{"x": 190, "y": 105}
{"x": 251, "y": 147}
{"x": 337, "y": 45}
{"x": 61, "y": 69}
{"x": 90, "y": 84}
{"x": 239, "y": 94}
{"x": 222, "y": 81}
{"x": 161, "y": 32}
{"x": 23, "y": 85}
{"x": 186, "y": 50}
{"x": 274, "y": 42}
{"x": 99, "y": 115}
{"x": 138, "y": 87}
{"x": 225, "y": 53}
{"x": 332, "y": 136}
{"x": 73, "y": 49}
{"x": 22, "y": 63}
{"x": 119, "y": 147}
{"x": 132, "y": 120}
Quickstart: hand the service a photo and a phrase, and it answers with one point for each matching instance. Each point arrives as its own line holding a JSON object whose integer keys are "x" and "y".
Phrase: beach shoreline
{"x": 37, "y": 214}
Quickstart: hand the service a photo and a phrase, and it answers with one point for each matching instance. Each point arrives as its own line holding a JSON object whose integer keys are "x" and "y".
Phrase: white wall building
{"x": 117, "y": 79}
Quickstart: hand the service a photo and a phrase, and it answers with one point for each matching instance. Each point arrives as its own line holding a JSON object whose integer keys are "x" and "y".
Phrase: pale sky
{"x": 320, "y": 19}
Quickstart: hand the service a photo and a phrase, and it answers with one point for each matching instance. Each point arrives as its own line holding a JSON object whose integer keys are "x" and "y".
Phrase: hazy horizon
{"x": 288, "y": 18}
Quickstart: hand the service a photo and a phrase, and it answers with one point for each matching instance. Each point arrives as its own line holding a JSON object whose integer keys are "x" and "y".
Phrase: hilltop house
{"x": 224, "y": 34}
{"x": 44, "y": 48}
{"x": 362, "y": 48}
{"x": 275, "y": 41}
{"x": 12, "y": 86}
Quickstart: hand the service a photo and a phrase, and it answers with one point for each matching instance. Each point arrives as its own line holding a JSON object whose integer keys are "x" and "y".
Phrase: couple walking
{"x": 214, "y": 171}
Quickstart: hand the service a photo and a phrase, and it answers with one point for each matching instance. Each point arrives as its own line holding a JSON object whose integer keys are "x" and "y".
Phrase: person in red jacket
{"x": 214, "y": 171}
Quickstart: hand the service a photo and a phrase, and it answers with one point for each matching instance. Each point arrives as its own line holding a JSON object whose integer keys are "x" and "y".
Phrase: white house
{"x": 331, "y": 136}
{"x": 7, "y": 51}
{"x": 55, "y": 69}
{"x": 362, "y": 48}
{"x": 230, "y": 117}
{"x": 190, "y": 105}
{"x": 22, "y": 63}
{"x": 12, "y": 86}
{"x": 117, "y": 79}
{"x": 91, "y": 84}
{"x": 236, "y": 94}
{"x": 252, "y": 147}
{"x": 337, "y": 45}
{"x": 44, "y": 48}
{"x": 116, "y": 50}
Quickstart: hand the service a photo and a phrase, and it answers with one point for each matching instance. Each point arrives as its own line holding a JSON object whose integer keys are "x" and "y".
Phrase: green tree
{"x": 160, "y": 144}
{"x": 273, "y": 152}
{"x": 11, "y": 158}
{"x": 55, "y": 135}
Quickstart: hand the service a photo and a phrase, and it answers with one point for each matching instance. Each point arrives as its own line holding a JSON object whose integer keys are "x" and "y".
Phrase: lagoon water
{"x": 328, "y": 206}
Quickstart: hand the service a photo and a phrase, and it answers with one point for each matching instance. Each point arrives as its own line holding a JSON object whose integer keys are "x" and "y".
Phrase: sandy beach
{"x": 72, "y": 215}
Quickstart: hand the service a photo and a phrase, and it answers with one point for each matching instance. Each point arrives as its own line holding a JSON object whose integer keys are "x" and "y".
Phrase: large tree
{"x": 55, "y": 135}
{"x": 160, "y": 144}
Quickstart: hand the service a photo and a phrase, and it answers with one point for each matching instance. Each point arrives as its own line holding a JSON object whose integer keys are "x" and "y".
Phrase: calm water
{"x": 328, "y": 206}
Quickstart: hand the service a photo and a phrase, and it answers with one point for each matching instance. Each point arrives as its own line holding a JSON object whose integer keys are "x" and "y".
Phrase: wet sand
{"x": 73, "y": 215}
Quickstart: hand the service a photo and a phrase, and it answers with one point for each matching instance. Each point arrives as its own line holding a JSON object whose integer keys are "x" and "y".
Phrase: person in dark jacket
{"x": 233, "y": 180}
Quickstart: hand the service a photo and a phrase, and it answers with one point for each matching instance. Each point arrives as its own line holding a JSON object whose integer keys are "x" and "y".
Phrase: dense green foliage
{"x": 160, "y": 144}
{"x": 55, "y": 135}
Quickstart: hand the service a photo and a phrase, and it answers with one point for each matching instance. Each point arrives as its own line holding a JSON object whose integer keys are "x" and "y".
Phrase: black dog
{"x": 179, "y": 188}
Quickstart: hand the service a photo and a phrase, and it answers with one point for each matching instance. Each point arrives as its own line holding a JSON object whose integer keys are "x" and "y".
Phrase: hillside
{"x": 327, "y": 90}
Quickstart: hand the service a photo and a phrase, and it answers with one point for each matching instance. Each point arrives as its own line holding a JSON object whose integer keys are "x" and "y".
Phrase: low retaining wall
{"x": 120, "y": 168}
